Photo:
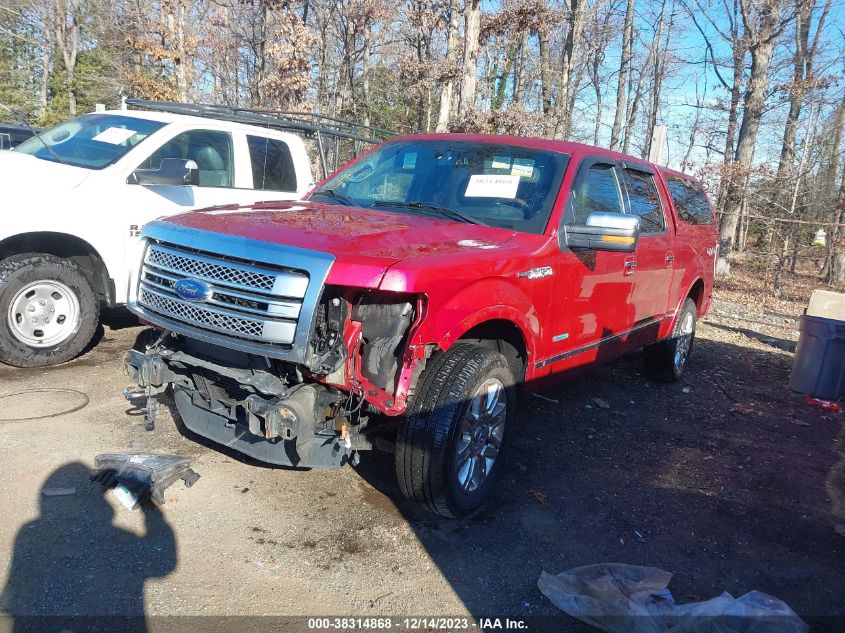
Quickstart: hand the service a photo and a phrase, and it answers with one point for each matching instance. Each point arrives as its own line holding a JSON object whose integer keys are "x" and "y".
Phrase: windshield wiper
{"x": 430, "y": 206}
{"x": 35, "y": 133}
{"x": 331, "y": 193}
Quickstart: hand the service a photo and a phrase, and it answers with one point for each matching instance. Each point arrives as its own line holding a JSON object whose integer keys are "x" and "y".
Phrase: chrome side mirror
{"x": 604, "y": 232}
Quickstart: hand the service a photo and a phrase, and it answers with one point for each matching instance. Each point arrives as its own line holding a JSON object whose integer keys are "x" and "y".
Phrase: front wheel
{"x": 48, "y": 310}
{"x": 667, "y": 359}
{"x": 450, "y": 442}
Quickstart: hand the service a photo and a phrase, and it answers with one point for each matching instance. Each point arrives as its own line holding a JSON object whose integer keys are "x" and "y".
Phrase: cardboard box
{"x": 827, "y": 304}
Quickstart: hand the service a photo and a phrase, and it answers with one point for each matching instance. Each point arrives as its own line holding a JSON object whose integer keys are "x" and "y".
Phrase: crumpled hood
{"x": 29, "y": 174}
{"x": 365, "y": 242}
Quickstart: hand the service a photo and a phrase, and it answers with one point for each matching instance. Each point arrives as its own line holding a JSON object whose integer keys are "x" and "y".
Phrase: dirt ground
{"x": 727, "y": 479}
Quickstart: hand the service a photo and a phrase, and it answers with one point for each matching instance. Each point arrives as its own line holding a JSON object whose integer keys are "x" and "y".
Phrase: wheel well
{"x": 505, "y": 337}
{"x": 696, "y": 293}
{"x": 67, "y": 247}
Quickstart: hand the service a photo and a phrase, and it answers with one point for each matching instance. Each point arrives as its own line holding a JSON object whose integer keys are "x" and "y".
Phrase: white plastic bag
{"x": 631, "y": 599}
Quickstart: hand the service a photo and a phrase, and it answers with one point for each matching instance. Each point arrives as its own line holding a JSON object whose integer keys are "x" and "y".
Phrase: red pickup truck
{"x": 413, "y": 295}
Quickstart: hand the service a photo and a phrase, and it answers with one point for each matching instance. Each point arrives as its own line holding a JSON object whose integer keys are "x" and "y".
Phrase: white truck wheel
{"x": 48, "y": 310}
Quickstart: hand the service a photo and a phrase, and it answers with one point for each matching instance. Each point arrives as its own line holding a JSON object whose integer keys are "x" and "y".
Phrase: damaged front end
{"x": 265, "y": 357}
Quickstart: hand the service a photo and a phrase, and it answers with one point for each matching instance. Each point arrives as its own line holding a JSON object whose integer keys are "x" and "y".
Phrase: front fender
{"x": 481, "y": 301}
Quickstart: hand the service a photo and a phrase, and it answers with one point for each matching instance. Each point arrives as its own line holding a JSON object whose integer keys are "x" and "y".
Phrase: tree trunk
{"x": 519, "y": 67}
{"x": 563, "y": 114}
{"x": 500, "y": 80}
{"x": 67, "y": 40}
{"x": 176, "y": 27}
{"x": 365, "y": 72}
{"x": 624, "y": 69}
{"x": 659, "y": 70}
{"x": 452, "y": 51}
{"x": 753, "y": 104}
{"x": 634, "y": 104}
{"x": 472, "y": 31}
{"x": 733, "y": 116}
{"x": 597, "y": 121}
{"x": 834, "y": 257}
{"x": 545, "y": 80}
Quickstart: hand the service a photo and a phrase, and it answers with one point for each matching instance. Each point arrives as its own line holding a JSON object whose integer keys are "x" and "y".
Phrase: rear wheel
{"x": 667, "y": 359}
{"x": 48, "y": 310}
{"x": 450, "y": 443}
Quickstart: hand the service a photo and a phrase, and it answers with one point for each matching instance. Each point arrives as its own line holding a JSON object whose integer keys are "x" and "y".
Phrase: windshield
{"x": 93, "y": 141}
{"x": 506, "y": 186}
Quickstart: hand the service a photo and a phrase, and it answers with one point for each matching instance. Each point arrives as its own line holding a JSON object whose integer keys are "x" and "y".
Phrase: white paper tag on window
{"x": 501, "y": 162}
{"x": 523, "y": 167}
{"x": 409, "y": 160}
{"x": 492, "y": 186}
{"x": 114, "y": 135}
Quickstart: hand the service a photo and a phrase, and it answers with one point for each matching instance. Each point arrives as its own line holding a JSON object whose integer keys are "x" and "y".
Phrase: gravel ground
{"x": 727, "y": 479}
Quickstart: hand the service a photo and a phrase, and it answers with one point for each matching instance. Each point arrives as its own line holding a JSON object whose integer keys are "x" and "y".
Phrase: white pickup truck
{"x": 76, "y": 196}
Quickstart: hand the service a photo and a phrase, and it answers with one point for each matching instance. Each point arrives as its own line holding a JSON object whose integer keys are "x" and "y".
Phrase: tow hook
{"x": 151, "y": 408}
{"x": 152, "y": 375}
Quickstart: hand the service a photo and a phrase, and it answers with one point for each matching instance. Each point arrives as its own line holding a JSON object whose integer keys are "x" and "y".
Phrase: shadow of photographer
{"x": 72, "y": 568}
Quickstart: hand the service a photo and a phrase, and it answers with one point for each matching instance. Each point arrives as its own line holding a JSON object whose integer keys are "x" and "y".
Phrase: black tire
{"x": 21, "y": 270}
{"x": 427, "y": 460}
{"x": 667, "y": 359}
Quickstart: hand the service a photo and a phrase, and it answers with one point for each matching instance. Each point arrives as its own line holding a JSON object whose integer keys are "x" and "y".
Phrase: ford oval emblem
{"x": 191, "y": 290}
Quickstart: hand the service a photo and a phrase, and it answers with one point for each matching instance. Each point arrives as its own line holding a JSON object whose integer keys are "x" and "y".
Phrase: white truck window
{"x": 211, "y": 150}
{"x": 272, "y": 165}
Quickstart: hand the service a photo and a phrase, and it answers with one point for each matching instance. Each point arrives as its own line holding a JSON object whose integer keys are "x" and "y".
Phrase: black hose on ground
{"x": 74, "y": 409}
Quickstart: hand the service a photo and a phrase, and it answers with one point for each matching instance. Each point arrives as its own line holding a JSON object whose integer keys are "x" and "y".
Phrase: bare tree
{"x": 659, "y": 71}
{"x": 763, "y": 23}
{"x": 452, "y": 52}
{"x": 469, "y": 78}
{"x": 625, "y": 61}
{"x": 67, "y": 29}
{"x": 567, "y": 84}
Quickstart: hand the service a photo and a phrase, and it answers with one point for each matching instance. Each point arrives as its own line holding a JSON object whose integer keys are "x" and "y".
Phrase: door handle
{"x": 630, "y": 266}
{"x": 670, "y": 259}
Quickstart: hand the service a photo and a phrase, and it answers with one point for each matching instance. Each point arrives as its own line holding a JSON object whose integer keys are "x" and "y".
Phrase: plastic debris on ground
{"x": 627, "y": 598}
{"x": 827, "y": 405}
{"x": 135, "y": 477}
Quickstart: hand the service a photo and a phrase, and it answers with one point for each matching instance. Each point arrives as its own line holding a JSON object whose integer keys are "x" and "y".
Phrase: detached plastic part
{"x": 627, "y": 598}
{"x": 135, "y": 476}
{"x": 827, "y": 405}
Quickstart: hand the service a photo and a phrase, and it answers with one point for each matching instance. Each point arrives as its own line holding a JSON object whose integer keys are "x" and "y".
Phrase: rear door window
{"x": 644, "y": 200}
{"x": 272, "y": 164}
{"x": 690, "y": 201}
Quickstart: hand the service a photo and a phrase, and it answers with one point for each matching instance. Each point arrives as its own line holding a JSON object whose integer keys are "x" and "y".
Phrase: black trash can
{"x": 819, "y": 366}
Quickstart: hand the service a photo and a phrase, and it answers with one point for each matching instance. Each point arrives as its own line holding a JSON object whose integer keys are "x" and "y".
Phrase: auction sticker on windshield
{"x": 492, "y": 186}
{"x": 114, "y": 135}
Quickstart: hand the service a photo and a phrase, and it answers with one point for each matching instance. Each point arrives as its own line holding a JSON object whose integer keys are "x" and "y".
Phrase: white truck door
{"x": 224, "y": 177}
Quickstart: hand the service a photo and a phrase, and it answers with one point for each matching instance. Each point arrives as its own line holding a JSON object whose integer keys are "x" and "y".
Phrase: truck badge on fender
{"x": 536, "y": 273}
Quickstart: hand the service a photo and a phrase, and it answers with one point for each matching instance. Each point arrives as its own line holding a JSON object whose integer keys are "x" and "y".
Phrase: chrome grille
{"x": 245, "y": 300}
{"x": 192, "y": 266}
{"x": 238, "y": 326}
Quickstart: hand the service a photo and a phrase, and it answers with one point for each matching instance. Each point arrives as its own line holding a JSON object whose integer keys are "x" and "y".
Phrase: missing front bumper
{"x": 279, "y": 429}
